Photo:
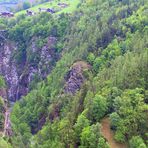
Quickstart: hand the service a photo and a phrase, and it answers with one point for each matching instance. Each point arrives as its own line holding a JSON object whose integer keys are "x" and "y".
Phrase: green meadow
{"x": 72, "y": 5}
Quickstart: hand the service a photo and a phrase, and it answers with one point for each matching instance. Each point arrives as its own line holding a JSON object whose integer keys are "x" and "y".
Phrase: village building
{"x": 63, "y": 5}
{"x": 6, "y": 14}
{"x": 47, "y": 10}
{"x": 29, "y": 12}
{"x": 42, "y": 9}
{"x": 50, "y": 10}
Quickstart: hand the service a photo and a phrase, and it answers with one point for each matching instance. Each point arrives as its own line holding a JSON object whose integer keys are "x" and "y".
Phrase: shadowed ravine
{"x": 109, "y": 135}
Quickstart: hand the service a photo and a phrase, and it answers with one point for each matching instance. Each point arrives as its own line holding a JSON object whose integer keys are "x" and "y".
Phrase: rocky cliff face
{"x": 75, "y": 78}
{"x": 20, "y": 77}
{"x": 8, "y": 68}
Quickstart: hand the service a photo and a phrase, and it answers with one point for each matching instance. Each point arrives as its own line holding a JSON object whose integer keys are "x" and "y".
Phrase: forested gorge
{"x": 103, "y": 45}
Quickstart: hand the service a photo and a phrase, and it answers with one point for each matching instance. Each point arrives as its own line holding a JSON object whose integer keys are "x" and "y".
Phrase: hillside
{"x": 67, "y": 7}
{"x": 17, "y": 5}
{"x": 20, "y": 7}
{"x": 77, "y": 79}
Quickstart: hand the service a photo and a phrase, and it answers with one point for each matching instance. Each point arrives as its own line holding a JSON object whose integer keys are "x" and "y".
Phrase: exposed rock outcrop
{"x": 75, "y": 78}
{"x": 8, "y": 68}
{"x": 19, "y": 76}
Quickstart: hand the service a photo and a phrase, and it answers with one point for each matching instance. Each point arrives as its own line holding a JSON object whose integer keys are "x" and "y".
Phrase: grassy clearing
{"x": 72, "y": 6}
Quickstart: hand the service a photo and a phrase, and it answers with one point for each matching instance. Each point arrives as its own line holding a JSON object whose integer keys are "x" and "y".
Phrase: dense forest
{"x": 98, "y": 70}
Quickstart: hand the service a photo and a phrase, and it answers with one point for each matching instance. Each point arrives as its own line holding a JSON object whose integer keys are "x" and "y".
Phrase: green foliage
{"x": 137, "y": 142}
{"x": 91, "y": 137}
{"x": 65, "y": 128}
{"x": 91, "y": 58}
{"x": 103, "y": 143}
{"x": 115, "y": 118}
{"x": 2, "y": 82}
{"x": 22, "y": 130}
{"x": 99, "y": 107}
{"x": 4, "y": 143}
{"x": 31, "y": 115}
{"x": 130, "y": 114}
{"x": 81, "y": 123}
{"x": 115, "y": 45}
{"x": 40, "y": 27}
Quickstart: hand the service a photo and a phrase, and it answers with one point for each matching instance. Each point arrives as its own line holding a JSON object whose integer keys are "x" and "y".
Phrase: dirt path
{"x": 109, "y": 135}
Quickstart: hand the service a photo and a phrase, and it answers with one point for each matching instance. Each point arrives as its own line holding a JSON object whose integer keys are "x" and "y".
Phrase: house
{"x": 29, "y": 12}
{"x": 63, "y": 5}
{"x": 50, "y": 10}
{"x": 6, "y": 14}
{"x": 47, "y": 10}
{"x": 42, "y": 9}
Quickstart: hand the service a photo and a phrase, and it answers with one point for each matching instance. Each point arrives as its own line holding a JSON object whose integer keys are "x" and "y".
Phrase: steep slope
{"x": 75, "y": 77}
{"x": 2, "y": 105}
{"x": 8, "y": 68}
{"x": 19, "y": 77}
{"x": 102, "y": 72}
{"x": 26, "y": 60}
{"x": 58, "y": 7}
